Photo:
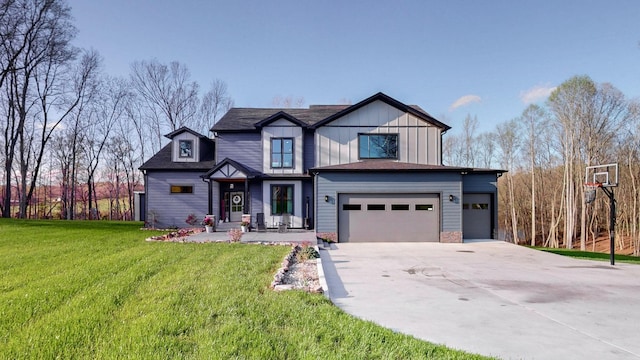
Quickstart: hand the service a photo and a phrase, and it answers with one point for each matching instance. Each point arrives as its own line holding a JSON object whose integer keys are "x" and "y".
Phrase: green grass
{"x": 97, "y": 290}
{"x": 591, "y": 255}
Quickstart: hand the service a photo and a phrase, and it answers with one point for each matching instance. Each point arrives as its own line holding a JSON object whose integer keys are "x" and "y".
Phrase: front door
{"x": 236, "y": 202}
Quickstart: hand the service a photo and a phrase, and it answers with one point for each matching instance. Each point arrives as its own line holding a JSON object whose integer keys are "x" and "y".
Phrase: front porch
{"x": 271, "y": 235}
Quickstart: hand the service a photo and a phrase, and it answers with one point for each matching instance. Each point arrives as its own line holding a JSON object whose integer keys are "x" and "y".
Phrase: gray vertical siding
{"x": 173, "y": 209}
{"x": 332, "y": 184}
{"x": 245, "y": 148}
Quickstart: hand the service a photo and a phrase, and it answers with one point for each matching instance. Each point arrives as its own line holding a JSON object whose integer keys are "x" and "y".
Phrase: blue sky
{"x": 487, "y": 58}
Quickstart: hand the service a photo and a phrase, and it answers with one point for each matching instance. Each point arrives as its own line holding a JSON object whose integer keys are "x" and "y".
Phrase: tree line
{"x": 546, "y": 151}
{"x": 69, "y": 125}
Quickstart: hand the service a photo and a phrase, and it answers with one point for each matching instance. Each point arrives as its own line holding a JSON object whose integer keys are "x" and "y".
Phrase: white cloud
{"x": 465, "y": 100}
{"x": 536, "y": 93}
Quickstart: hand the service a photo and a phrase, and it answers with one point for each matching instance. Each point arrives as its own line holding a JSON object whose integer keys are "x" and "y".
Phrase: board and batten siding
{"x": 173, "y": 209}
{"x": 333, "y": 184}
{"x": 282, "y": 129}
{"x": 419, "y": 142}
{"x": 308, "y": 151}
{"x": 245, "y": 148}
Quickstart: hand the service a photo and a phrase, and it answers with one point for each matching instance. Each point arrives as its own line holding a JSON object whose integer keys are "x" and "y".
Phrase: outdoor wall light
{"x": 451, "y": 197}
{"x": 326, "y": 198}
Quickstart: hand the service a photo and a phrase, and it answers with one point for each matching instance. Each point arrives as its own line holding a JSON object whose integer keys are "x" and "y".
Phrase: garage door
{"x": 476, "y": 216}
{"x": 388, "y": 217}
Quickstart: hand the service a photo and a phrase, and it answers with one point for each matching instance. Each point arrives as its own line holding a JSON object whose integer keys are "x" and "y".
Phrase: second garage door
{"x": 388, "y": 217}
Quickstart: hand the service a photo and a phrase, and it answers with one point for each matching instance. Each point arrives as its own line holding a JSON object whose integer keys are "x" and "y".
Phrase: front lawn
{"x": 97, "y": 290}
{"x": 588, "y": 255}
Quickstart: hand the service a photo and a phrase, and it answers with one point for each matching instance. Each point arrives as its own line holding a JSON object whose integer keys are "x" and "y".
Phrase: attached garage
{"x": 477, "y": 216}
{"x": 383, "y": 217}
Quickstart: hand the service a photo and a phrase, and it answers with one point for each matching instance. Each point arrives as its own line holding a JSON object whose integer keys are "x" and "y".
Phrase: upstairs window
{"x": 282, "y": 152}
{"x": 186, "y": 148}
{"x": 378, "y": 146}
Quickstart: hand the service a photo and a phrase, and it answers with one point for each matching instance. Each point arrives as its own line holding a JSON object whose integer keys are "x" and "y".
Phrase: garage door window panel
{"x": 351, "y": 207}
{"x": 401, "y": 207}
{"x": 281, "y": 199}
{"x": 376, "y": 207}
{"x": 378, "y": 146}
{"x": 424, "y": 207}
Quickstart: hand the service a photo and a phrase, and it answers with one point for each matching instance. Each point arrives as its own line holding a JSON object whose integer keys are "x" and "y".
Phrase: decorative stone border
{"x": 278, "y": 283}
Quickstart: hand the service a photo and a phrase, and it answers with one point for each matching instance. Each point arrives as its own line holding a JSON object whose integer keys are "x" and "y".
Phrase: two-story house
{"x": 371, "y": 171}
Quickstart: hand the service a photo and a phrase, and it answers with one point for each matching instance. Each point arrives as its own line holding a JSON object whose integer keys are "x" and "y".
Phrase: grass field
{"x": 97, "y": 290}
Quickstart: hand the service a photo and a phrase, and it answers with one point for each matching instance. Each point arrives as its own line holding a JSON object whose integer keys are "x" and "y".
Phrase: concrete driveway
{"x": 491, "y": 298}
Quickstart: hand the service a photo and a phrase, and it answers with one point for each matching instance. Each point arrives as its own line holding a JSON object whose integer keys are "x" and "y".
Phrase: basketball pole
{"x": 612, "y": 222}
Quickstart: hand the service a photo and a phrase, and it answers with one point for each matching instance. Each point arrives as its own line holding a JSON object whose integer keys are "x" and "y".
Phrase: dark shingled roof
{"x": 162, "y": 161}
{"x": 394, "y": 166}
{"x": 249, "y": 119}
{"x": 246, "y": 118}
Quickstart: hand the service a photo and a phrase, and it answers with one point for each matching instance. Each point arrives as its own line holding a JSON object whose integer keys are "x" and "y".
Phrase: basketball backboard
{"x": 604, "y": 175}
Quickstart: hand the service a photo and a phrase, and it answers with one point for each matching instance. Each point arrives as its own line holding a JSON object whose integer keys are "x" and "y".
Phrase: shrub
{"x": 306, "y": 253}
{"x": 192, "y": 219}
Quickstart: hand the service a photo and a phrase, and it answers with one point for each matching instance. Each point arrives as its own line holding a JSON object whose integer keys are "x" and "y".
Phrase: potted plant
{"x": 208, "y": 223}
{"x": 244, "y": 226}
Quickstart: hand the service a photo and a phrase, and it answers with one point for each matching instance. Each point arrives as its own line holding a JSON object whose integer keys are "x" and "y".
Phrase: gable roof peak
{"x": 172, "y": 134}
{"x": 380, "y": 96}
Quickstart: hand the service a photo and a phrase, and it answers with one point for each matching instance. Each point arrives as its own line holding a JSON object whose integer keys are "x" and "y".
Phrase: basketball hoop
{"x": 590, "y": 189}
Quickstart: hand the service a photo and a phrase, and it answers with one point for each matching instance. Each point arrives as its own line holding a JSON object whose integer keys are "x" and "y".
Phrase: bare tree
{"x": 288, "y": 101}
{"x": 215, "y": 103}
{"x": 171, "y": 98}
{"x": 533, "y": 122}
{"x": 508, "y": 140}
{"x": 41, "y": 45}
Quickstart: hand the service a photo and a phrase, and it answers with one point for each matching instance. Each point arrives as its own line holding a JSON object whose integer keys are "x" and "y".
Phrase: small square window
{"x": 186, "y": 148}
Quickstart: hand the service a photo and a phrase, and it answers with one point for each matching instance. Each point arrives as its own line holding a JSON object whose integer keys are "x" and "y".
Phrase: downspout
{"x": 245, "y": 206}
{"x": 143, "y": 217}
{"x": 209, "y": 195}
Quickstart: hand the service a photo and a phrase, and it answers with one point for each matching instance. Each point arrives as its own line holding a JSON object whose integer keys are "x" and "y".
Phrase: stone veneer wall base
{"x": 451, "y": 237}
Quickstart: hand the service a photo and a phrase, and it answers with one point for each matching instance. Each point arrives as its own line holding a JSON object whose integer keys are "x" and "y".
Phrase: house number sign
{"x": 236, "y": 199}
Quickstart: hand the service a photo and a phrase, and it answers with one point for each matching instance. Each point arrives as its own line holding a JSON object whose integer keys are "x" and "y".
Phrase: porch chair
{"x": 285, "y": 222}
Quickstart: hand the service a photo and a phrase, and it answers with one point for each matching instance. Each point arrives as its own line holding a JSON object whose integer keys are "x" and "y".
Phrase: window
{"x": 186, "y": 148}
{"x": 282, "y": 152}
{"x": 181, "y": 189}
{"x": 399, "y": 206}
{"x": 351, "y": 207}
{"x": 480, "y": 206}
{"x": 424, "y": 207}
{"x": 281, "y": 199}
{"x": 376, "y": 207}
{"x": 378, "y": 146}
